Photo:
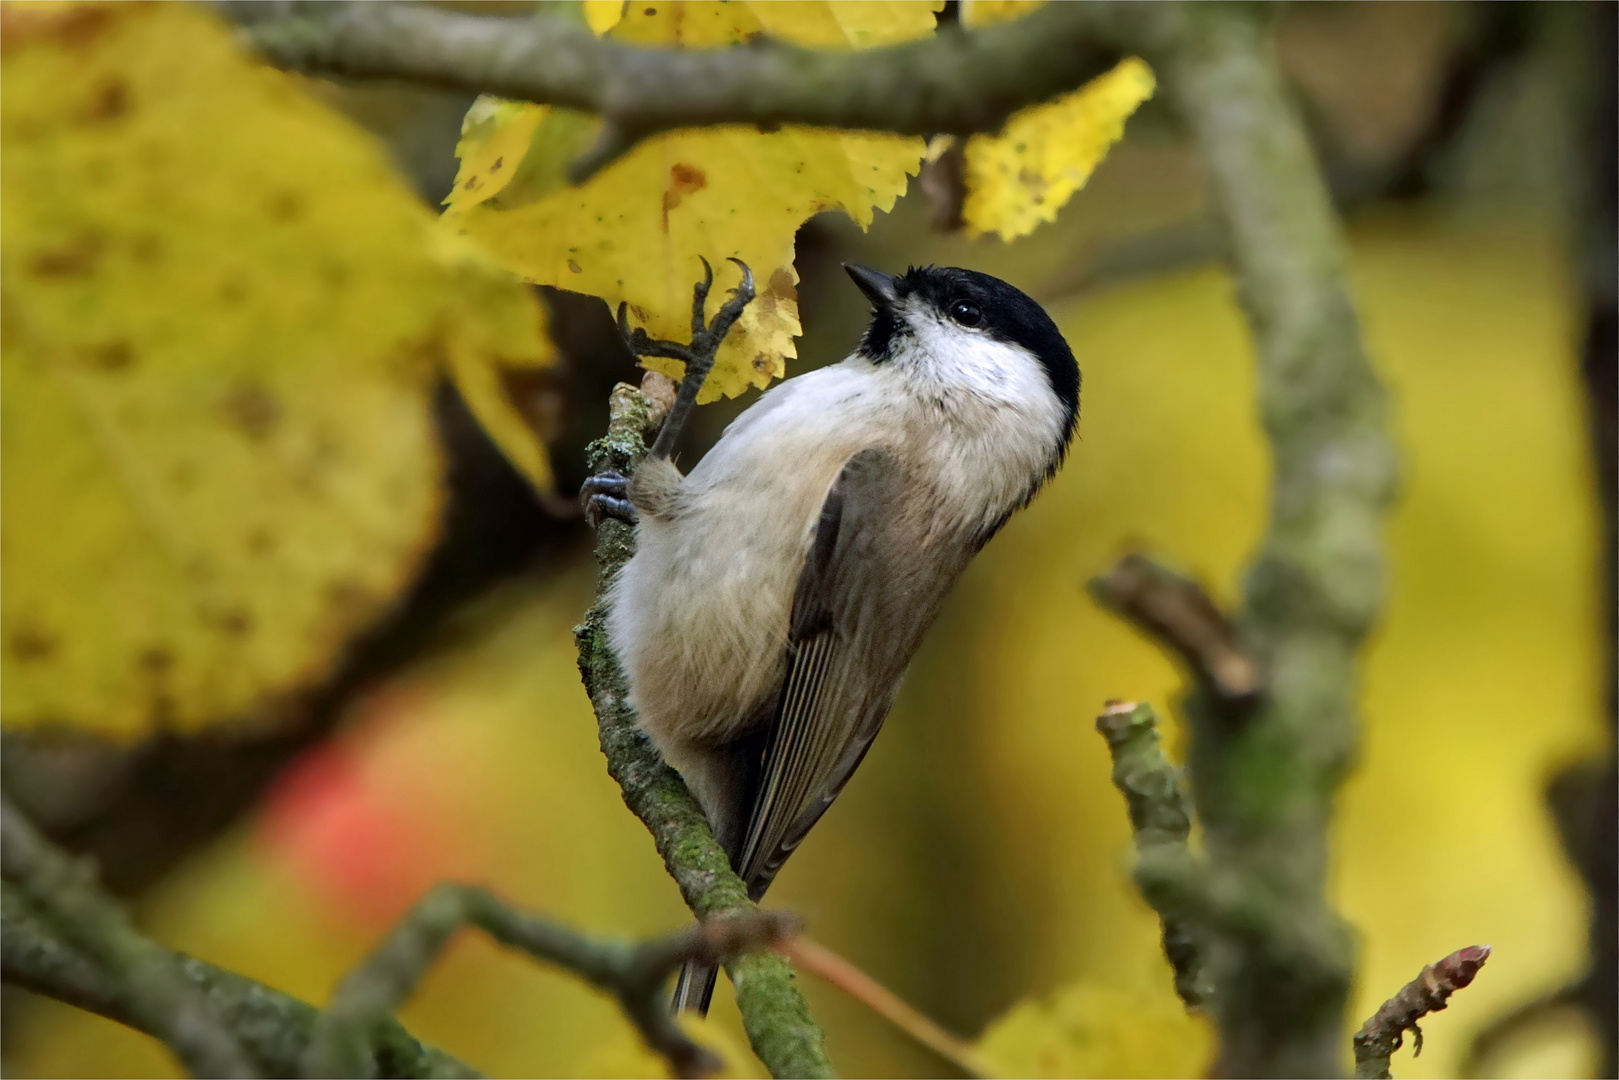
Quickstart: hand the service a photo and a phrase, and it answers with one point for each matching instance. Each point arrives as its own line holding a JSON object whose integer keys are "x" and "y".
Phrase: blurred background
{"x": 980, "y": 856}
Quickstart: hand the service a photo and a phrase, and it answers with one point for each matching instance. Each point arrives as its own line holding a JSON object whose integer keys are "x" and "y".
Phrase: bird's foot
{"x": 706, "y": 337}
{"x": 606, "y": 495}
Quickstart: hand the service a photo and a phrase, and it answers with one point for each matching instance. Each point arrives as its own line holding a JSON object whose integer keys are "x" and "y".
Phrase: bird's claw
{"x": 606, "y": 495}
{"x": 731, "y": 310}
{"x": 699, "y": 298}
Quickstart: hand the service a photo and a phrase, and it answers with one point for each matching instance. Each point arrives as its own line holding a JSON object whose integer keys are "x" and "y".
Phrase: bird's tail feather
{"x": 695, "y": 988}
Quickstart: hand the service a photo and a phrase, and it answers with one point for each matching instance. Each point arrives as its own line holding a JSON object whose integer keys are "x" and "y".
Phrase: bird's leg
{"x": 706, "y": 338}
{"x": 607, "y": 493}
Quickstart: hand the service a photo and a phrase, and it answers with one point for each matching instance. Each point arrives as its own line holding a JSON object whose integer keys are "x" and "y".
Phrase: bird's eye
{"x": 966, "y": 313}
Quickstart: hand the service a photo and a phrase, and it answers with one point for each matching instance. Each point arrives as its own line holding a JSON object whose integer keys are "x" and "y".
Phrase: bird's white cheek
{"x": 998, "y": 424}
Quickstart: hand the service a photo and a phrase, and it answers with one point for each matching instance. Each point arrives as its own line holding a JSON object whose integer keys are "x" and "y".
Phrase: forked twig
{"x": 150, "y": 984}
{"x": 341, "y": 1044}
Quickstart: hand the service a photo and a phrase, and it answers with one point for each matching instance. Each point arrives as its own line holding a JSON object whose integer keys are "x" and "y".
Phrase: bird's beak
{"x": 878, "y": 286}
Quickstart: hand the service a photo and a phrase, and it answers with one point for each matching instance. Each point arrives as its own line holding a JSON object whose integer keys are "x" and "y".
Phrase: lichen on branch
{"x": 62, "y": 937}
{"x": 1161, "y": 818}
{"x": 1263, "y": 782}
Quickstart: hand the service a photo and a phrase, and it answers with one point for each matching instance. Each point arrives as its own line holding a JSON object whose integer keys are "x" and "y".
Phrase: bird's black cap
{"x": 1008, "y": 314}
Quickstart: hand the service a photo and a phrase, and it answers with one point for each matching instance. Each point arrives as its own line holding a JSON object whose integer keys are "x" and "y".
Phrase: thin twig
{"x": 1175, "y": 611}
{"x": 635, "y": 975}
{"x": 147, "y": 978}
{"x": 1428, "y": 993}
{"x": 1161, "y": 817}
{"x": 823, "y": 962}
{"x": 957, "y": 81}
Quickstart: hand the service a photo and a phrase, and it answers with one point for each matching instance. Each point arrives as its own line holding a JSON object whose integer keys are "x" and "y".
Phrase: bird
{"x": 779, "y": 590}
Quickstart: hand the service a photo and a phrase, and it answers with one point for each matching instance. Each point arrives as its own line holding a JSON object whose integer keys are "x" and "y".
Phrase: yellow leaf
{"x": 224, "y": 317}
{"x": 979, "y": 12}
{"x": 1099, "y": 1030}
{"x": 633, "y": 233}
{"x": 494, "y": 138}
{"x": 603, "y": 15}
{"x": 1045, "y": 153}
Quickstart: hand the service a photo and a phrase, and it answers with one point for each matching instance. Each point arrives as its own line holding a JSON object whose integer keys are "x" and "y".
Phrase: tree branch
{"x": 1280, "y": 958}
{"x": 778, "y": 1023}
{"x": 1161, "y": 818}
{"x": 957, "y": 82}
{"x": 149, "y": 982}
{"x": 42, "y": 950}
{"x": 1177, "y": 613}
{"x": 343, "y": 1045}
{"x": 1429, "y": 992}
{"x": 62, "y": 937}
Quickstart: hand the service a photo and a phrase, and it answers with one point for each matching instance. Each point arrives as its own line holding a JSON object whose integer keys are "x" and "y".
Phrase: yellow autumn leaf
{"x": 633, "y": 233}
{"x": 224, "y": 318}
{"x": 1027, "y": 172}
{"x": 505, "y": 347}
{"x": 979, "y": 12}
{"x": 603, "y": 15}
{"x": 1095, "y": 1029}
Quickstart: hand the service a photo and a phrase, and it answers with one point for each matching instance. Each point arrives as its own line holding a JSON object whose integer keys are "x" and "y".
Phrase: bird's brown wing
{"x": 869, "y": 587}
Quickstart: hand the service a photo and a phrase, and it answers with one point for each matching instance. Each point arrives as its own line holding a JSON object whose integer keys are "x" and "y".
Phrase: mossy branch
{"x": 1263, "y": 781}
{"x": 1161, "y": 818}
{"x": 146, "y": 976}
{"x": 777, "y": 1020}
{"x": 46, "y": 919}
{"x": 62, "y": 937}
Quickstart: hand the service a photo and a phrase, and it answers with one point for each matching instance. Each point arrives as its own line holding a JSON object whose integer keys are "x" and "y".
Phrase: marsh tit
{"x": 778, "y": 592}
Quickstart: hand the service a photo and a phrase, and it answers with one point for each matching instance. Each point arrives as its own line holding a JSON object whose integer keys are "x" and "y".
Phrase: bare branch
{"x": 1429, "y": 992}
{"x": 636, "y": 975}
{"x": 706, "y": 338}
{"x": 957, "y": 82}
{"x": 1175, "y": 611}
{"x": 1161, "y": 816}
{"x": 943, "y": 180}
